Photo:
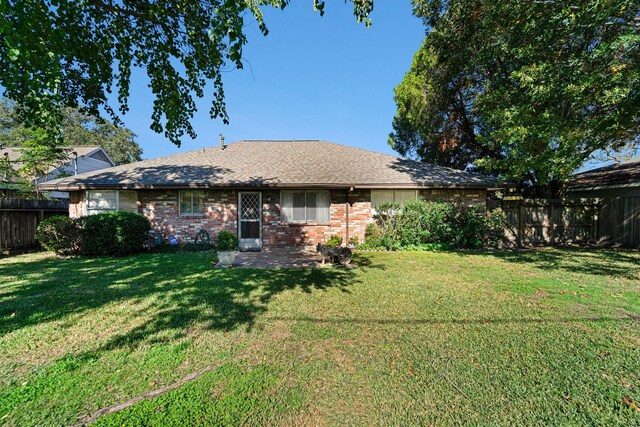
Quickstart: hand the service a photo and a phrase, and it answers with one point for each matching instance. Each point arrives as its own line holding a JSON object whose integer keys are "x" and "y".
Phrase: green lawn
{"x": 548, "y": 337}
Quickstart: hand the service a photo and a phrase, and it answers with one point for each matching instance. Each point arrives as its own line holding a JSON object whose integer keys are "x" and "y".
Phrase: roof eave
{"x": 603, "y": 187}
{"x": 383, "y": 186}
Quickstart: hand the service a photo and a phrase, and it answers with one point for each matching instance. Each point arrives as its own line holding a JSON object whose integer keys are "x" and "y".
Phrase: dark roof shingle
{"x": 274, "y": 164}
{"x": 617, "y": 174}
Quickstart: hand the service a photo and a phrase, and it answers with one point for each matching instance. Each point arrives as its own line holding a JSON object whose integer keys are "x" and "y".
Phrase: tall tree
{"x": 75, "y": 52}
{"x": 523, "y": 90}
{"x": 78, "y": 128}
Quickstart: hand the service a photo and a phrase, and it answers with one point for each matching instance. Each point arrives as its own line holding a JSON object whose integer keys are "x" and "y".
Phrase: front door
{"x": 250, "y": 220}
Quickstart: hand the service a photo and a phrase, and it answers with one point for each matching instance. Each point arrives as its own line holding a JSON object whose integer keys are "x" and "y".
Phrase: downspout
{"x": 346, "y": 194}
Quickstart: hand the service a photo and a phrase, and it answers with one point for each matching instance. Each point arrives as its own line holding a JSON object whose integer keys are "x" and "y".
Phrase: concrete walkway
{"x": 278, "y": 258}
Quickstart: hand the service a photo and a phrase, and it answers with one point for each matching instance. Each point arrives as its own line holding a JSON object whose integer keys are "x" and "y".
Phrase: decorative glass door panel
{"x": 250, "y": 220}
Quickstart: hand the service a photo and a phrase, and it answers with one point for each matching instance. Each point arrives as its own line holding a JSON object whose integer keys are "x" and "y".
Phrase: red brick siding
{"x": 161, "y": 207}
{"x": 76, "y": 204}
{"x": 162, "y": 210}
{"x": 468, "y": 197}
{"x": 276, "y": 233}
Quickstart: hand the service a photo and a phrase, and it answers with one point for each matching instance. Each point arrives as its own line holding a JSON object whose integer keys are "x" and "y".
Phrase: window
{"x": 191, "y": 202}
{"x": 379, "y": 197}
{"x": 99, "y": 201}
{"x": 305, "y": 206}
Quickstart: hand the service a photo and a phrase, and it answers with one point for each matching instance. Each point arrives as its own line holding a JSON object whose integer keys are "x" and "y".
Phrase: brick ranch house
{"x": 269, "y": 193}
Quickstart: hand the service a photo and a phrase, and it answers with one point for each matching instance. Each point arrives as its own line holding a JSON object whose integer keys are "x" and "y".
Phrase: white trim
{"x": 99, "y": 148}
{"x": 259, "y": 220}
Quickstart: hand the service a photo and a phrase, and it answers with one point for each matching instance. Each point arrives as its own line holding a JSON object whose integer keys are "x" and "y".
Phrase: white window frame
{"x": 97, "y": 211}
{"x": 305, "y": 221}
{"x": 192, "y": 212}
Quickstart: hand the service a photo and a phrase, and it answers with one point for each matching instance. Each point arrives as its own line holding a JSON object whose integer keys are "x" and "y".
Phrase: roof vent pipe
{"x": 75, "y": 162}
{"x": 222, "y": 142}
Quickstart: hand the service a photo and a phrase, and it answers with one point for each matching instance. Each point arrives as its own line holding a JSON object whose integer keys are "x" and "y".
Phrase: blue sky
{"x": 312, "y": 77}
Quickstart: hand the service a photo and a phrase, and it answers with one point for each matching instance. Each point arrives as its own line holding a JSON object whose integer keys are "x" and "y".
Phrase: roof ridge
{"x": 278, "y": 140}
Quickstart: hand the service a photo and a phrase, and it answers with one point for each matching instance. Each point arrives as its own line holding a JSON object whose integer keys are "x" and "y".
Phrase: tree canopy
{"x": 78, "y": 129}
{"x": 523, "y": 90}
{"x": 56, "y": 53}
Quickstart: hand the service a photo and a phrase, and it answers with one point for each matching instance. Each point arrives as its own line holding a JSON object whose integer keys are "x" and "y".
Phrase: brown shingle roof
{"x": 274, "y": 164}
{"x": 618, "y": 174}
{"x": 14, "y": 153}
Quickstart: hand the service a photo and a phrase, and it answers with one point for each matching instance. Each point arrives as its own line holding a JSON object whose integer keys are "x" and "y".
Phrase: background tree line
{"x": 526, "y": 91}
{"x": 78, "y": 129}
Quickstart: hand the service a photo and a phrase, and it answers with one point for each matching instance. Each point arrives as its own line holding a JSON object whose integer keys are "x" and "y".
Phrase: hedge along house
{"x": 269, "y": 193}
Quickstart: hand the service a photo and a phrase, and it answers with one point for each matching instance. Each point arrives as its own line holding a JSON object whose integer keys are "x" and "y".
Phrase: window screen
{"x": 127, "y": 201}
{"x": 305, "y": 206}
{"x": 102, "y": 201}
{"x": 379, "y": 197}
{"x": 191, "y": 202}
{"x": 111, "y": 200}
{"x": 403, "y": 196}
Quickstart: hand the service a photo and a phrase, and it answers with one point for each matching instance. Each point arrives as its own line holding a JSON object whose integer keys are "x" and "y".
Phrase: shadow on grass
{"x": 601, "y": 262}
{"x": 443, "y": 321}
{"x": 174, "y": 291}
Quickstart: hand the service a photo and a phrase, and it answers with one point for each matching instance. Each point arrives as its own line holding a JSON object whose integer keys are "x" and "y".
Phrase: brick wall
{"x": 468, "y": 197}
{"x": 76, "y": 204}
{"x": 221, "y": 213}
{"x": 276, "y": 233}
{"x": 162, "y": 210}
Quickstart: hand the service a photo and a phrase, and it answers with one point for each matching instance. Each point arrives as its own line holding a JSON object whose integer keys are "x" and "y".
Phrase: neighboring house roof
{"x": 624, "y": 174}
{"x": 14, "y": 153}
{"x": 274, "y": 164}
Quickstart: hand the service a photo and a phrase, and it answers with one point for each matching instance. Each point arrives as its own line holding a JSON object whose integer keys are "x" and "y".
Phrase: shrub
{"x": 114, "y": 233}
{"x": 226, "y": 241}
{"x": 334, "y": 241}
{"x": 495, "y": 224}
{"x": 373, "y": 235}
{"x": 421, "y": 224}
{"x": 60, "y": 234}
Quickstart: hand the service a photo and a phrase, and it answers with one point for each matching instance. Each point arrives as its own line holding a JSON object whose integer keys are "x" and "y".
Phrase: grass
{"x": 497, "y": 338}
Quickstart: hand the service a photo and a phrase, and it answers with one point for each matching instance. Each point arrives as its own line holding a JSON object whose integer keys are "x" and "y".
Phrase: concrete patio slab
{"x": 278, "y": 258}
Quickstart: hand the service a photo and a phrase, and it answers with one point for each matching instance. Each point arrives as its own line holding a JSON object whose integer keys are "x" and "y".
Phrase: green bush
{"x": 60, "y": 234}
{"x": 495, "y": 223}
{"x": 373, "y": 235}
{"x": 114, "y": 233}
{"x": 334, "y": 241}
{"x": 226, "y": 241}
{"x": 433, "y": 226}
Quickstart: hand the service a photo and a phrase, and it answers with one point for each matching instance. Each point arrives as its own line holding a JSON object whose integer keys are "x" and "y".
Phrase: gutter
{"x": 62, "y": 187}
{"x": 605, "y": 187}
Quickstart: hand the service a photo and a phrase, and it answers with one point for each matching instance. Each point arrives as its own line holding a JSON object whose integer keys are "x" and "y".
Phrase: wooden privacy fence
{"x": 19, "y": 219}
{"x": 605, "y": 221}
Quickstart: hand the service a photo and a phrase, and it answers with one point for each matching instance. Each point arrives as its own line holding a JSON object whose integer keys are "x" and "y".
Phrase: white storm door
{"x": 250, "y": 220}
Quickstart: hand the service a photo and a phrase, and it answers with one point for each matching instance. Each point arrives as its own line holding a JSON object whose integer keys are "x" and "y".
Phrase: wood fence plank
{"x": 606, "y": 221}
{"x": 19, "y": 219}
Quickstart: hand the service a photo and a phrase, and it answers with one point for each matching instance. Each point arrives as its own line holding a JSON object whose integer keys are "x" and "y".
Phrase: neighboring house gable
{"x": 83, "y": 158}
